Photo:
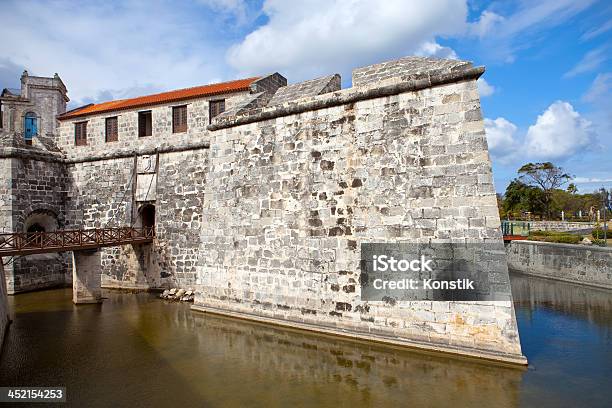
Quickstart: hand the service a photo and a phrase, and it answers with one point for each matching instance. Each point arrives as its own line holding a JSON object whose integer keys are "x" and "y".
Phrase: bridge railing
{"x": 24, "y": 243}
{"x": 515, "y": 228}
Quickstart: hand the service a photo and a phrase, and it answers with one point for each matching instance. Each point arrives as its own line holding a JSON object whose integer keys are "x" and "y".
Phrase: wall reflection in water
{"x": 327, "y": 371}
{"x": 142, "y": 351}
{"x": 566, "y": 334}
{"x": 582, "y": 302}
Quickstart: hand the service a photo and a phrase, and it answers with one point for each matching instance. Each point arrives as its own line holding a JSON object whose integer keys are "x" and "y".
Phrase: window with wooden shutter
{"x": 215, "y": 108}
{"x": 179, "y": 119}
{"x": 80, "y": 133}
{"x": 112, "y": 129}
{"x": 145, "y": 124}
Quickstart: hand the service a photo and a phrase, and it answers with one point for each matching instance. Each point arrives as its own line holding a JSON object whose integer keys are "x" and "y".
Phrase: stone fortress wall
{"x": 264, "y": 209}
{"x": 299, "y": 185}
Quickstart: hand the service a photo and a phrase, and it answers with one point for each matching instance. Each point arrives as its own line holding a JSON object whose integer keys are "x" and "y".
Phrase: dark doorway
{"x": 34, "y": 239}
{"x": 147, "y": 215}
{"x": 36, "y": 227}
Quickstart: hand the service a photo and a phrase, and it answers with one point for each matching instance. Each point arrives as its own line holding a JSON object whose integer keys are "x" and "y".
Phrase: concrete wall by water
{"x": 559, "y": 225}
{"x": 589, "y": 265}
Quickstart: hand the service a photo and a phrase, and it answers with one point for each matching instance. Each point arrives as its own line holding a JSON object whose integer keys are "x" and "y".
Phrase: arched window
{"x": 30, "y": 127}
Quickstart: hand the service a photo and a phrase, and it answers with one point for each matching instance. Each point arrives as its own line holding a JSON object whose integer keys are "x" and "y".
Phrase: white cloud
{"x": 242, "y": 11}
{"x": 485, "y": 23}
{"x": 433, "y": 49}
{"x": 503, "y": 35}
{"x": 607, "y": 26}
{"x": 306, "y": 39}
{"x": 484, "y": 87}
{"x": 559, "y": 133}
{"x": 600, "y": 89}
{"x": 501, "y": 139}
{"x": 590, "y": 62}
{"x": 102, "y": 47}
{"x": 589, "y": 180}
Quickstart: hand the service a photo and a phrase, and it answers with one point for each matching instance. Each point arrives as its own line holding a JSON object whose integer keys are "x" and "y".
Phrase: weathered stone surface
{"x": 405, "y": 69}
{"x": 304, "y": 89}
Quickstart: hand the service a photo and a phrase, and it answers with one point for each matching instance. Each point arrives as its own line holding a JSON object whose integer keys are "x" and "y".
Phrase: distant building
{"x": 32, "y": 111}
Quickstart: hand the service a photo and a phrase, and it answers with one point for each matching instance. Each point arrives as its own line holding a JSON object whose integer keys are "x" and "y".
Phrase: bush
{"x": 554, "y": 236}
{"x": 544, "y": 233}
{"x": 598, "y": 233}
{"x": 565, "y": 239}
{"x": 598, "y": 242}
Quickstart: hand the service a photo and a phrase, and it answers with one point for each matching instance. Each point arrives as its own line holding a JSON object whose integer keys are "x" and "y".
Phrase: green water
{"x": 136, "y": 350}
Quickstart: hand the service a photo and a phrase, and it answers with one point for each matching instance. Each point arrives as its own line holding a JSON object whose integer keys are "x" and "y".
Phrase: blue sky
{"x": 546, "y": 94}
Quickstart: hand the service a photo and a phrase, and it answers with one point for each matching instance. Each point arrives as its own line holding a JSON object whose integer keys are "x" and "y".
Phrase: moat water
{"x": 136, "y": 350}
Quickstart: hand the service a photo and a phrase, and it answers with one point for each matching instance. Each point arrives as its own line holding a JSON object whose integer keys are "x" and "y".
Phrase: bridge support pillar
{"x": 86, "y": 277}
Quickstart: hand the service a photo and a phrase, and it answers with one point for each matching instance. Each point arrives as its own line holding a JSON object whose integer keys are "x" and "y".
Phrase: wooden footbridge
{"x": 27, "y": 243}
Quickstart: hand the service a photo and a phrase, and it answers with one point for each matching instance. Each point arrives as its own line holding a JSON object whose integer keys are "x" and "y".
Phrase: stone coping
{"x": 347, "y": 96}
{"x": 561, "y": 245}
{"x": 8, "y": 153}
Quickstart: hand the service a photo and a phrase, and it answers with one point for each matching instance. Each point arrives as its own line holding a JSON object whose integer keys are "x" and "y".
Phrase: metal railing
{"x": 515, "y": 228}
{"x": 26, "y": 243}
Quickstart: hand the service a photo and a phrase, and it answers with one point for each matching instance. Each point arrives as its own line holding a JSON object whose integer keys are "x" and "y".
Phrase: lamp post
{"x": 607, "y": 202}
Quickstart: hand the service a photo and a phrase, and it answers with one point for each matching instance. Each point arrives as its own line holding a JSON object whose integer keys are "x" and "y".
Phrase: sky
{"x": 545, "y": 95}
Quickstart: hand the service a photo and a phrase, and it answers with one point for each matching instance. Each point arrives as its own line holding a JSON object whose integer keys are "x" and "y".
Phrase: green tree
{"x": 545, "y": 176}
{"x": 520, "y": 197}
{"x": 572, "y": 189}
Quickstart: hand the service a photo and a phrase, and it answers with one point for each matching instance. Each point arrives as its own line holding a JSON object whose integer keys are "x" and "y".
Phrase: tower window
{"x": 145, "y": 126}
{"x": 215, "y": 108}
{"x": 179, "y": 119}
{"x": 80, "y": 133}
{"x": 112, "y": 129}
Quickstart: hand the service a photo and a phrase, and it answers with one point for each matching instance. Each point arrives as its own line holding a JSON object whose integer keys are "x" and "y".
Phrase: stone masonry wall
{"x": 6, "y": 191}
{"x": 180, "y": 201}
{"x": 102, "y": 196}
{"x": 38, "y": 188}
{"x": 102, "y": 190}
{"x": 297, "y": 191}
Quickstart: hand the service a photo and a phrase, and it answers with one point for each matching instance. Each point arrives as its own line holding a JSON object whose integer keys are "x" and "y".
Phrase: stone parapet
{"x": 348, "y": 96}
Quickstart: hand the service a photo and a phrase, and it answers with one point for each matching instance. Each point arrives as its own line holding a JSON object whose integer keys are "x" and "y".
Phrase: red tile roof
{"x": 160, "y": 98}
